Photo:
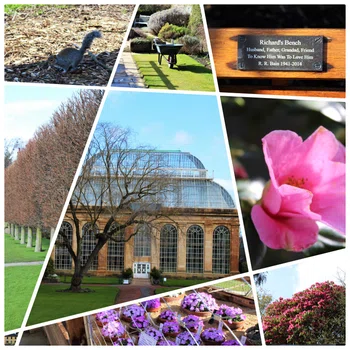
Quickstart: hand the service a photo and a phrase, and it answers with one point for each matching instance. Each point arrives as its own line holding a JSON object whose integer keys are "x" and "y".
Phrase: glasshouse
{"x": 197, "y": 234}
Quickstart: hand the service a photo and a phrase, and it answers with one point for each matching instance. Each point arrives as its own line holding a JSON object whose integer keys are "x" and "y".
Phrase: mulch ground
{"x": 33, "y": 34}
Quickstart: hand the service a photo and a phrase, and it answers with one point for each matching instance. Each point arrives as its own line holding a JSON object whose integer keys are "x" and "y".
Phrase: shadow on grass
{"x": 194, "y": 69}
{"x": 162, "y": 76}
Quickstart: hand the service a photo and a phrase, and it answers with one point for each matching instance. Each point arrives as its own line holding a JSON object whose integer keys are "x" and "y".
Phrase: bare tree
{"x": 11, "y": 146}
{"x": 126, "y": 185}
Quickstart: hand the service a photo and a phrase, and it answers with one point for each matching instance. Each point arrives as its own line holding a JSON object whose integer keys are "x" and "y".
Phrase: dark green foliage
{"x": 50, "y": 268}
{"x": 195, "y": 21}
{"x": 141, "y": 45}
{"x": 155, "y": 273}
{"x": 150, "y": 9}
{"x": 126, "y": 274}
{"x": 172, "y": 31}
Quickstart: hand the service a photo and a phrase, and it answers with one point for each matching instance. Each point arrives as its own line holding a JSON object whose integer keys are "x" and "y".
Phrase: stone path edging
{"x": 28, "y": 263}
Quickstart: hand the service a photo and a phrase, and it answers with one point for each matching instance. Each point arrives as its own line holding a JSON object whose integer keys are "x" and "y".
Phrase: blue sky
{"x": 190, "y": 123}
{"x": 284, "y": 282}
{"x": 28, "y": 107}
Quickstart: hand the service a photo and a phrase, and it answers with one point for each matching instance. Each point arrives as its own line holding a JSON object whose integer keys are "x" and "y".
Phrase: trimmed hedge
{"x": 141, "y": 45}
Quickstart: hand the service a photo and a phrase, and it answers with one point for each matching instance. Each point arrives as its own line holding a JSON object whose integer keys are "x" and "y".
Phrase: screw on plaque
{"x": 317, "y": 65}
{"x": 241, "y": 65}
{"x": 318, "y": 39}
{"x": 242, "y": 38}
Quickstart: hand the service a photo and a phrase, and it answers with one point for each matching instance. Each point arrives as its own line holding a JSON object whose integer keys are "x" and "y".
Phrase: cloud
{"x": 182, "y": 138}
{"x": 319, "y": 269}
{"x": 226, "y": 184}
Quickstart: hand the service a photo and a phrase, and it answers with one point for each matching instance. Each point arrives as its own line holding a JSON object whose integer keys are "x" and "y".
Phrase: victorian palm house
{"x": 198, "y": 238}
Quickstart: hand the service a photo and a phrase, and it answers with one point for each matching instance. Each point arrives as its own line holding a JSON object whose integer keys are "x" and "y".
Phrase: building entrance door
{"x": 141, "y": 270}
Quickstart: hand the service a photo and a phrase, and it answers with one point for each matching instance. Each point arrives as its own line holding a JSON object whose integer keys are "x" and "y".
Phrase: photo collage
{"x": 174, "y": 174}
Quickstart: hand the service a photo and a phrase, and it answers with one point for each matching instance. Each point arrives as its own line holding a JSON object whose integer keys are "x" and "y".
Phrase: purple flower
{"x": 151, "y": 304}
{"x": 230, "y": 314}
{"x": 154, "y": 333}
{"x": 107, "y": 316}
{"x": 192, "y": 322}
{"x": 133, "y": 311}
{"x": 139, "y": 322}
{"x": 213, "y": 334}
{"x": 171, "y": 327}
{"x": 167, "y": 343}
{"x": 168, "y": 315}
{"x": 199, "y": 302}
{"x": 123, "y": 342}
{"x": 113, "y": 329}
{"x": 230, "y": 342}
{"x": 187, "y": 338}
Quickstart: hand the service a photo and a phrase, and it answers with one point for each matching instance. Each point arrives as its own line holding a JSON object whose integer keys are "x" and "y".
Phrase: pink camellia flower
{"x": 307, "y": 185}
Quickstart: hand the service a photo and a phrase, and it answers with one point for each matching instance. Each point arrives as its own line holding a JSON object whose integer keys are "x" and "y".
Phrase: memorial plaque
{"x": 280, "y": 53}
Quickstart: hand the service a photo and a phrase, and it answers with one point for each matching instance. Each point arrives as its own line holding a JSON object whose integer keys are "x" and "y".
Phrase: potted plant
{"x": 154, "y": 333}
{"x": 167, "y": 342}
{"x": 233, "y": 317}
{"x": 113, "y": 330}
{"x": 167, "y": 315}
{"x": 188, "y": 338}
{"x": 104, "y": 317}
{"x": 231, "y": 342}
{"x": 127, "y": 275}
{"x": 213, "y": 336}
{"x": 171, "y": 329}
{"x": 152, "y": 305}
{"x": 123, "y": 342}
{"x": 172, "y": 297}
{"x": 130, "y": 311}
{"x": 139, "y": 323}
{"x": 192, "y": 323}
{"x": 200, "y": 304}
{"x": 155, "y": 275}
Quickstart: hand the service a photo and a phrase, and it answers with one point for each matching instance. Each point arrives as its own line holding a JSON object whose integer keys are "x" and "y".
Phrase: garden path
{"x": 127, "y": 74}
{"x": 24, "y": 263}
{"x": 139, "y": 288}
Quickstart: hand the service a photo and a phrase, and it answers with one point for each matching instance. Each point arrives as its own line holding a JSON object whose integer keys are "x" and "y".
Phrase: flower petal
{"x": 294, "y": 234}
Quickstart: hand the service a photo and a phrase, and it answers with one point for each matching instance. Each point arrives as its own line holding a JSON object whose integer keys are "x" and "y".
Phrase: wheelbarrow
{"x": 170, "y": 50}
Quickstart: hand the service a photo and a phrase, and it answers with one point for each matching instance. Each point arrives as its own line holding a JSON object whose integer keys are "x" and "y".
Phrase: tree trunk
{"x": 12, "y": 230}
{"x": 38, "y": 241}
{"x": 16, "y": 233}
{"x": 23, "y": 236}
{"x": 30, "y": 238}
{"x": 52, "y": 232}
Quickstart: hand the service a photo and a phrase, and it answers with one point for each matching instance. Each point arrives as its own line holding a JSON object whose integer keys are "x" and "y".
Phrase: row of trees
{"x": 38, "y": 181}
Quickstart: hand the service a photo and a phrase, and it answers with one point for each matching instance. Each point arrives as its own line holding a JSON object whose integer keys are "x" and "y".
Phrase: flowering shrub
{"x": 187, "y": 338}
{"x": 133, "y": 311}
{"x": 171, "y": 327}
{"x": 113, "y": 329}
{"x": 106, "y": 316}
{"x": 192, "y": 322}
{"x": 139, "y": 322}
{"x": 166, "y": 343}
{"x": 230, "y": 342}
{"x": 199, "y": 302}
{"x": 154, "y": 333}
{"x": 168, "y": 315}
{"x": 123, "y": 342}
{"x": 214, "y": 335}
{"x": 307, "y": 185}
{"x": 151, "y": 304}
{"x": 230, "y": 314}
{"x": 314, "y": 316}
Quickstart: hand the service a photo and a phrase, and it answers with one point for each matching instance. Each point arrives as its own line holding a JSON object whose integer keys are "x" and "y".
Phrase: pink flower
{"x": 307, "y": 185}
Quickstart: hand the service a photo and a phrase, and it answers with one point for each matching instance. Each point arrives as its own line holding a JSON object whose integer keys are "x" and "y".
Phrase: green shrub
{"x": 155, "y": 273}
{"x": 176, "y": 15}
{"x": 126, "y": 274}
{"x": 195, "y": 20}
{"x": 150, "y": 9}
{"x": 141, "y": 45}
{"x": 50, "y": 268}
{"x": 191, "y": 45}
{"x": 172, "y": 31}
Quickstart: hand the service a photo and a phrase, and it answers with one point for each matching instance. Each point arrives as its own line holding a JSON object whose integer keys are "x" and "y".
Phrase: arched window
{"x": 221, "y": 250}
{"x": 88, "y": 244}
{"x": 142, "y": 241}
{"x": 63, "y": 260}
{"x": 194, "y": 249}
{"x": 115, "y": 255}
{"x": 168, "y": 248}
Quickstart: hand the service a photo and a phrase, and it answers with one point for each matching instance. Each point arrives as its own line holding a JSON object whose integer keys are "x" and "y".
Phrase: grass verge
{"x": 51, "y": 305}
{"x": 182, "y": 283}
{"x": 188, "y": 74}
{"x": 93, "y": 280}
{"x": 19, "y": 285}
{"x": 16, "y": 252}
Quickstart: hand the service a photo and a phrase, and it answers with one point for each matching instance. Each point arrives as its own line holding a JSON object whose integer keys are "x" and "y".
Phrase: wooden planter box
{"x": 224, "y": 43}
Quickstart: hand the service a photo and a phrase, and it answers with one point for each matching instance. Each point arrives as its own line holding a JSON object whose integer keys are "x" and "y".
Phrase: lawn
{"x": 234, "y": 285}
{"x": 16, "y": 252}
{"x": 19, "y": 285}
{"x": 180, "y": 283}
{"x": 188, "y": 74}
{"x": 93, "y": 280}
{"x": 50, "y": 305}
